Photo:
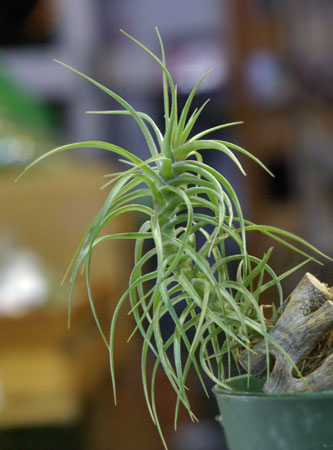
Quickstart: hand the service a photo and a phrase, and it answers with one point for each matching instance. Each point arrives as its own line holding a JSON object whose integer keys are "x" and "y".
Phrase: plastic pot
{"x": 253, "y": 420}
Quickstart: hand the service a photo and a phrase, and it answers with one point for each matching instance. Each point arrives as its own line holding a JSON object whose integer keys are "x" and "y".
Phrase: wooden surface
{"x": 306, "y": 319}
{"x": 47, "y": 373}
{"x": 50, "y": 209}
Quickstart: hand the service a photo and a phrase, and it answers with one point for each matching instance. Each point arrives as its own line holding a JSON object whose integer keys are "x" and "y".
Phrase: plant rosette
{"x": 216, "y": 316}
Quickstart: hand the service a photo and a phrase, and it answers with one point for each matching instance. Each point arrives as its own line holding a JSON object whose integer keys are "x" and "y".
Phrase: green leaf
{"x": 210, "y": 130}
{"x": 185, "y": 150}
{"x": 148, "y": 137}
{"x": 180, "y": 137}
{"x": 191, "y": 122}
{"x": 143, "y": 115}
{"x": 165, "y": 81}
{"x": 246, "y": 153}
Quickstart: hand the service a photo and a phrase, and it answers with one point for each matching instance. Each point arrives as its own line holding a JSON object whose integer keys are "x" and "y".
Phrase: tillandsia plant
{"x": 215, "y": 315}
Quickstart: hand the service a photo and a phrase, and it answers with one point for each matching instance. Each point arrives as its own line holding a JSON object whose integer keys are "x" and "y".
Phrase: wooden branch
{"x": 305, "y": 320}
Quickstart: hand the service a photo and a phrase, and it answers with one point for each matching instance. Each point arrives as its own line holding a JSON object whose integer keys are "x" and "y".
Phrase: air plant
{"x": 215, "y": 315}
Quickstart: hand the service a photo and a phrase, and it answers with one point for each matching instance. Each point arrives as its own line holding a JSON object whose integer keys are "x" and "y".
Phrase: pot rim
{"x": 219, "y": 391}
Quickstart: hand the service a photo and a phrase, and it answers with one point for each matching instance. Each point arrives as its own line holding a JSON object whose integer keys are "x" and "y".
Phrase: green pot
{"x": 253, "y": 420}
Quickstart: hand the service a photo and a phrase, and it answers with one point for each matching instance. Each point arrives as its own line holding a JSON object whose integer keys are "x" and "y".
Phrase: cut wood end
{"x": 323, "y": 287}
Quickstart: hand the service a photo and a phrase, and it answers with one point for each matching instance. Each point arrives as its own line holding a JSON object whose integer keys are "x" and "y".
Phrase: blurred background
{"x": 272, "y": 68}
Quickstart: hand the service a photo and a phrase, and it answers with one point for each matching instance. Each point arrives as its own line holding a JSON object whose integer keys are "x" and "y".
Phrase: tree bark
{"x": 306, "y": 319}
